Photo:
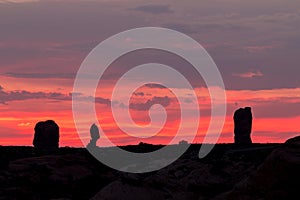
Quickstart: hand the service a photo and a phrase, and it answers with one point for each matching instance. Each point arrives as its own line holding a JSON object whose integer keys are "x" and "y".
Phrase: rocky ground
{"x": 257, "y": 171}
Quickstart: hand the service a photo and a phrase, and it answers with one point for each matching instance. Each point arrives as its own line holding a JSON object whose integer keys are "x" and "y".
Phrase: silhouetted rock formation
{"x": 242, "y": 126}
{"x": 94, "y": 131}
{"x": 46, "y": 136}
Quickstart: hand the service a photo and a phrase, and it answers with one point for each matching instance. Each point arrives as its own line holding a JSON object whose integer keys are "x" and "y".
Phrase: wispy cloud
{"x": 260, "y": 48}
{"x": 249, "y": 74}
{"x": 24, "y": 124}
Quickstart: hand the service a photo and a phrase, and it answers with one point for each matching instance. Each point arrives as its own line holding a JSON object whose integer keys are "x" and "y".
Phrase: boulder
{"x": 46, "y": 135}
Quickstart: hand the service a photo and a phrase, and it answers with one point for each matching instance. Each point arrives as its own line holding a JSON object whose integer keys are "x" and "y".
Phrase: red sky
{"x": 255, "y": 46}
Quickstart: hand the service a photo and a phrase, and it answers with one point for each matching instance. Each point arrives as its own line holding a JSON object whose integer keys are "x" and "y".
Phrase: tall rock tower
{"x": 242, "y": 126}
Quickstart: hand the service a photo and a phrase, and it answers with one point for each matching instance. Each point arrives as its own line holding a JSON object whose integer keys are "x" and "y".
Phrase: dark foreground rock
{"x": 72, "y": 176}
{"x": 277, "y": 178}
{"x": 118, "y": 190}
{"x": 259, "y": 171}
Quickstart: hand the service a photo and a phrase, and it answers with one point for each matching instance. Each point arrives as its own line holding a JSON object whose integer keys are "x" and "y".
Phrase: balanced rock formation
{"x": 242, "y": 126}
{"x": 94, "y": 131}
{"x": 46, "y": 135}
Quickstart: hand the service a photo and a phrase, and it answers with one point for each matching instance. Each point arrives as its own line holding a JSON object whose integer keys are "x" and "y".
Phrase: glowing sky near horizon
{"x": 255, "y": 45}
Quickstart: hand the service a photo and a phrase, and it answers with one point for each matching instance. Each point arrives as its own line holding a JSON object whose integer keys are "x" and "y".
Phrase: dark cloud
{"x": 19, "y": 95}
{"x": 155, "y": 85}
{"x": 154, "y": 9}
{"x": 122, "y": 105}
{"x": 101, "y": 100}
{"x": 164, "y": 101}
{"x": 40, "y": 75}
{"x": 139, "y": 94}
{"x": 75, "y": 94}
{"x": 206, "y": 27}
{"x": 188, "y": 100}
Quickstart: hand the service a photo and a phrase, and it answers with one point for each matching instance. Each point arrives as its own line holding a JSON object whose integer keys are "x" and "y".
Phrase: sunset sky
{"x": 255, "y": 44}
